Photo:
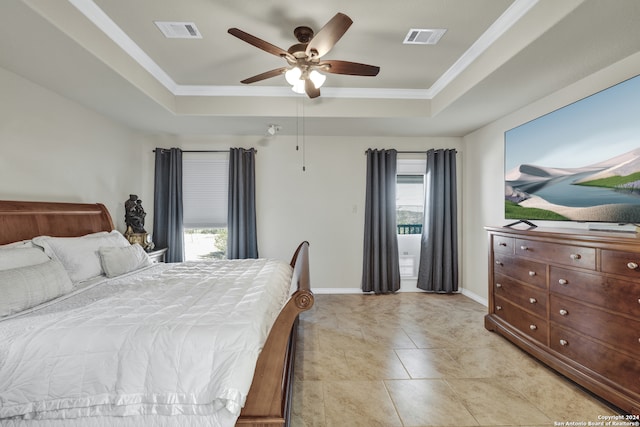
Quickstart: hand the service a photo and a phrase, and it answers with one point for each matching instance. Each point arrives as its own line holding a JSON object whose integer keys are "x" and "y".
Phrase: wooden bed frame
{"x": 269, "y": 399}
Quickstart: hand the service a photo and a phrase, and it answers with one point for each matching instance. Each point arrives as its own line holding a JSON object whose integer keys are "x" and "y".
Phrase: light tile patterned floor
{"x": 417, "y": 359}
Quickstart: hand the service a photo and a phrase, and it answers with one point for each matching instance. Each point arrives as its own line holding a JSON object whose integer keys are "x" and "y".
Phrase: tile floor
{"x": 417, "y": 359}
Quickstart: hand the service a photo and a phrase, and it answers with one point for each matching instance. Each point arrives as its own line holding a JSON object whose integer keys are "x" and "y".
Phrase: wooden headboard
{"x": 25, "y": 220}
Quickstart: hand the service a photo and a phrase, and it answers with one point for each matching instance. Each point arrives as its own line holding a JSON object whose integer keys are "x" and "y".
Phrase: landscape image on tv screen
{"x": 578, "y": 163}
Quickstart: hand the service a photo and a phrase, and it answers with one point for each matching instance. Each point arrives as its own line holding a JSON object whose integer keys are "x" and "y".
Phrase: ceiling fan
{"x": 305, "y": 57}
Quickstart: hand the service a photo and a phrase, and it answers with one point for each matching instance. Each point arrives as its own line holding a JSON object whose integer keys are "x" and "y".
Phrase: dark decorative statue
{"x": 134, "y": 214}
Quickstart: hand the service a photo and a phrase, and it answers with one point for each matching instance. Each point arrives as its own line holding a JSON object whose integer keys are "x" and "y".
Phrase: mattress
{"x": 172, "y": 344}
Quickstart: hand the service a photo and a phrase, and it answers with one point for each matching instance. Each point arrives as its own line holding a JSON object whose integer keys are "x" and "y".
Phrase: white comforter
{"x": 174, "y": 339}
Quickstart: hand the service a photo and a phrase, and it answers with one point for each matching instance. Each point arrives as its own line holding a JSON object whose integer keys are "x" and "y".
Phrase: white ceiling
{"x": 496, "y": 56}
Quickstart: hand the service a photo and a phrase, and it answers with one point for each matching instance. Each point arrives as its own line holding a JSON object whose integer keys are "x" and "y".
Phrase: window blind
{"x": 205, "y": 186}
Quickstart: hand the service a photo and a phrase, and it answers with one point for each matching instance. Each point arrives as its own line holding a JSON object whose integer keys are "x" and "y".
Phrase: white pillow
{"x": 19, "y": 244}
{"x": 79, "y": 255}
{"x": 25, "y": 287}
{"x": 21, "y": 256}
{"x": 121, "y": 260}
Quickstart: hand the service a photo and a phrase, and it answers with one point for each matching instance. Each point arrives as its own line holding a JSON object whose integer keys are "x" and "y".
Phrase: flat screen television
{"x": 578, "y": 163}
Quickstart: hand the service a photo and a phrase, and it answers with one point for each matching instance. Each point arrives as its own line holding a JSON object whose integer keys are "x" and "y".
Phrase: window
{"x": 410, "y": 179}
{"x": 205, "y": 186}
{"x": 409, "y": 203}
{"x": 410, "y": 189}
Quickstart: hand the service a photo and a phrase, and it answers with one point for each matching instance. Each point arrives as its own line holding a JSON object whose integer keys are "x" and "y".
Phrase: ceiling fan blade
{"x": 259, "y": 43}
{"x": 311, "y": 89}
{"x": 265, "y": 75}
{"x": 328, "y": 35}
{"x": 346, "y": 67}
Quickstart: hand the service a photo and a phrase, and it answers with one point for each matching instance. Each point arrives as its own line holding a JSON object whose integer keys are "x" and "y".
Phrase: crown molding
{"x": 285, "y": 91}
{"x": 517, "y": 10}
{"x": 102, "y": 21}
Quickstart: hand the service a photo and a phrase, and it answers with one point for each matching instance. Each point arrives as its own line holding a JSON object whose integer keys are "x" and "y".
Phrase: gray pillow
{"x": 120, "y": 260}
{"x": 21, "y": 256}
{"x": 25, "y": 287}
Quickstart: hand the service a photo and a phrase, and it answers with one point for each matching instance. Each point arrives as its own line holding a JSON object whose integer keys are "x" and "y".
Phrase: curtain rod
{"x": 207, "y": 151}
{"x": 412, "y": 152}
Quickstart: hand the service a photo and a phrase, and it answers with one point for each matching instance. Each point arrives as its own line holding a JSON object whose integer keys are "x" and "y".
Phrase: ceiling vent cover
{"x": 418, "y": 36}
{"x": 178, "y": 30}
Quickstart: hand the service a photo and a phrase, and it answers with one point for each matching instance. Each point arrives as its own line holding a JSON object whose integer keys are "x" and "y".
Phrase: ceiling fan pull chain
{"x": 304, "y": 160}
{"x": 300, "y": 128}
{"x": 298, "y": 124}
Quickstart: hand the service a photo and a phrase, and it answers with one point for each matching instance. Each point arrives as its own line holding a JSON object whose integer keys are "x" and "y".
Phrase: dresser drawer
{"x": 607, "y": 361}
{"x": 503, "y": 244}
{"x": 576, "y": 256}
{"x": 530, "y": 298}
{"x": 533, "y": 273}
{"x": 529, "y": 324}
{"x": 624, "y": 263}
{"x": 603, "y": 291}
{"x": 621, "y": 332}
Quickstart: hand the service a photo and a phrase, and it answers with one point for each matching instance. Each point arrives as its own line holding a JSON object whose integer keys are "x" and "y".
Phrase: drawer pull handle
{"x": 563, "y": 281}
{"x": 498, "y": 307}
{"x": 502, "y": 244}
{"x": 524, "y": 248}
{"x": 532, "y": 273}
{"x": 533, "y": 327}
{"x": 563, "y": 312}
{"x": 632, "y": 265}
{"x": 498, "y": 285}
{"x": 498, "y": 263}
{"x": 575, "y": 257}
{"x": 564, "y": 343}
{"x": 533, "y": 300}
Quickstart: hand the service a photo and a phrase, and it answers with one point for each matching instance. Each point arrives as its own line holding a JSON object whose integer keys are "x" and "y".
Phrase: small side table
{"x": 157, "y": 255}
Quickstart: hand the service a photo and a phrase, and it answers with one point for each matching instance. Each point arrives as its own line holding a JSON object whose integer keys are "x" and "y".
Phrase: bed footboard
{"x": 269, "y": 399}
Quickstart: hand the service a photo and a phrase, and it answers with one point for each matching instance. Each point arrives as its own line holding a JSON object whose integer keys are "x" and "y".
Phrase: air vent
{"x": 417, "y": 36}
{"x": 178, "y": 30}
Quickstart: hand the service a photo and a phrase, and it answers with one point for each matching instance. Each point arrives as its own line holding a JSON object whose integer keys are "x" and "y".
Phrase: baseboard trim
{"x": 337, "y": 291}
{"x": 319, "y": 291}
{"x": 477, "y": 298}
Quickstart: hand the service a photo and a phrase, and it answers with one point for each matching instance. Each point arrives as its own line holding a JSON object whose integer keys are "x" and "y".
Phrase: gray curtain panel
{"x": 167, "y": 203}
{"x": 438, "y": 270}
{"x": 381, "y": 267}
{"x": 242, "y": 240}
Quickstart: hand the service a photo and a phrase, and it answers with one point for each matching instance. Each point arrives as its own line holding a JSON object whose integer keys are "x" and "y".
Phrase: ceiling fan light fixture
{"x": 317, "y": 78}
{"x": 293, "y": 76}
{"x": 298, "y": 87}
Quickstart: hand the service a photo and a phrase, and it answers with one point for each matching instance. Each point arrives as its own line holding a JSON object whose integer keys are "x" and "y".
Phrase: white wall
{"x": 484, "y": 177}
{"x": 53, "y": 149}
{"x": 324, "y": 204}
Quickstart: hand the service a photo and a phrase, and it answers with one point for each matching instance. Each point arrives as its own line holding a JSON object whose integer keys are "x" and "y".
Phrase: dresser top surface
{"x": 577, "y": 234}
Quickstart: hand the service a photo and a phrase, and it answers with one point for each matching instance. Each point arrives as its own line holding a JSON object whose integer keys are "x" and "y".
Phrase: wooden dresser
{"x": 571, "y": 298}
